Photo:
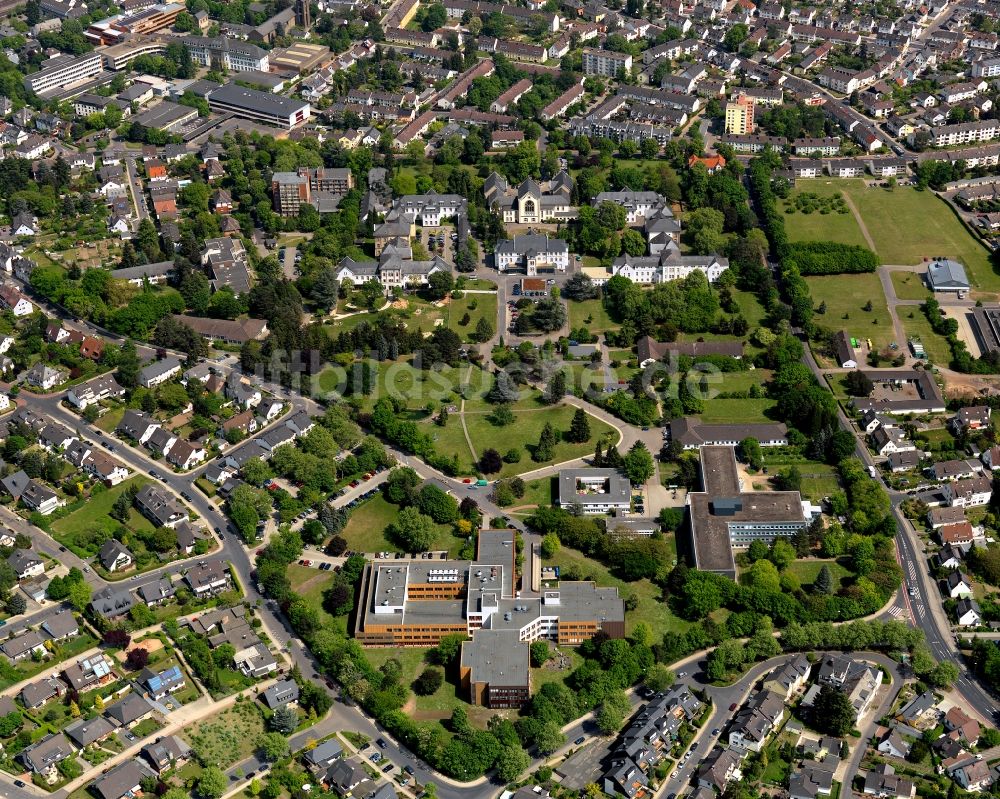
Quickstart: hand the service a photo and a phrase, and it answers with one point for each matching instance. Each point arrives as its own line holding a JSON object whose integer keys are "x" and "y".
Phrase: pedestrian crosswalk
{"x": 898, "y": 612}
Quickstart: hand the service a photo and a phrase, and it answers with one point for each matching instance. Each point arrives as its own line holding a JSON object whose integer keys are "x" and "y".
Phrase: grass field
{"x": 905, "y": 224}
{"x": 310, "y": 583}
{"x": 736, "y": 411}
{"x": 485, "y": 307}
{"x": 651, "y": 609}
{"x": 109, "y": 421}
{"x": 365, "y": 530}
{"x": 524, "y": 435}
{"x": 93, "y": 515}
{"x": 594, "y": 310}
{"x": 847, "y": 294}
{"x": 837, "y": 227}
{"x": 909, "y": 286}
{"x": 750, "y": 307}
{"x": 807, "y": 570}
{"x": 440, "y": 704}
{"x": 935, "y": 345}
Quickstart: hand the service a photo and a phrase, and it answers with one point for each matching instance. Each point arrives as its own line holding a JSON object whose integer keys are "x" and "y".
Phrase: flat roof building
{"x": 417, "y": 603}
{"x": 270, "y": 109}
{"x": 596, "y": 491}
{"x": 725, "y": 518}
{"x": 166, "y": 115}
{"x": 494, "y": 669}
{"x": 63, "y": 71}
{"x": 299, "y": 56}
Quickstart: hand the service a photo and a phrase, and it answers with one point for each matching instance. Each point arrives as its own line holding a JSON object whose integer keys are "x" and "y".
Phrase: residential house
{"x": 160, "y": 684}
{"x": 282, "y": 693}
{"x": 112, "y": 602}
{"x": 87, "y": 732}
{"x": 157, "y": 593}
{"x": 323, "y": 755}
{"x": 958, "y": 585}
{"x": 37, "y": 694}
{"x": 968, "y": 612}
{"x": 26, "y": 564}
{"x": 159, "y": 372}
{"x": 883, "y": 782}
{"x": 208, "y": 577}
{"x": 123, "y": 781}
{"x": 168, "y": 752}
{"x": 958, "y": 721}
{"x": 88, "y": 673}
{"x": 43, "y": 757}
{"x": 45, "y": 377}
{"x": 159, "y": 506}
{"x": 893, "y": 744}
{"x": 61, "y": 626}
{"x": 129, "y": 710}
{"x": 718, "y": 768}
{"x": 972, "y": 773}
{"x": 974, "y": 417}
{"x": 789, "y": 679}
{"x": 137, "y": 425}
{"x": 28, "y": 643}
{"x": 115, "y": 556}
{"x": 969, "y": 493}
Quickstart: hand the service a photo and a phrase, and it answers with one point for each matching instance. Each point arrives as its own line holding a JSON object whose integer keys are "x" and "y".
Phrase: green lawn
{"x": 909, "y": 286}
{"x": 906, "y": 226}
{"x": 651, "y": 609}
{"x": 847, "y": 295}
{"x": 750, "y": 307}
{"x": 94, "y": 515}
{"x": 365, "y": 530}
{"x": 401, "y": 379}
{"x": 524, "y": 435}
{"x": 538, "y": 492}
{"x": 842, "y": 228}
{"x": 440, "y": 704}
{"x": 736, "y": 411}
{"x": 310, "y": 583}
{"x": 580, "y": 312}
{"x": 935, "y": 345}
{"x": 485, "y": 307}
{"x": 110, "y": 419}
{"x": 807, "y": 570}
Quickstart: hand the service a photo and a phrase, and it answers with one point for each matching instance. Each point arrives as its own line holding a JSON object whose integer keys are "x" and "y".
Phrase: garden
{"x": 86, "y": 524}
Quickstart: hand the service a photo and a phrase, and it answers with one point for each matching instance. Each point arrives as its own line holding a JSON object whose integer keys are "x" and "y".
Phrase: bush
{"x": 429, "y": 681}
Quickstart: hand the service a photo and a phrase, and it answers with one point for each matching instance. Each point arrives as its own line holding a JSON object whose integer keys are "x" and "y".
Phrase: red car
{"x": 732, "y": 706}
{"x": 467, "y": 480}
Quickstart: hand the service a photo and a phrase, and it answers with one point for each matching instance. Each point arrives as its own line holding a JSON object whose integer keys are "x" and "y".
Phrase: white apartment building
{"x": 62, "y": 71}
{"x": 965, "y": 133}
{"x": 605, "y": 62}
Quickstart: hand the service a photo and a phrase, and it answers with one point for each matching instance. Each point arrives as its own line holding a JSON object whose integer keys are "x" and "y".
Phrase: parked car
{"x": 580, "y": 740}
